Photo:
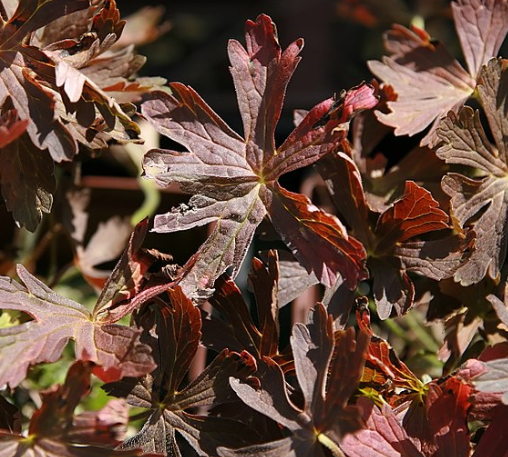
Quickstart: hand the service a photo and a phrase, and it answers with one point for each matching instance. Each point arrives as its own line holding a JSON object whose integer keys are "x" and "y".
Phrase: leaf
{"x": 464, "y": 141}
{"x": 234, "y": 180}
{"x": 383, "y": 435}
{"x": 391, "y": 238}
{"x": 27, "y": 181}
{"x": 428, "y": 80}
{"x": 175, "y": 331}
{"x": 327, "y": 373}
{"x": 115, "y": 349}
{"x": 384, "y": 371}
{"x": 52, "y": 428}
{"x": 11, "y": 126}
{"x": 494, "y": 378}
{"x": 32, "y": 101}
{"x": 447, "y": 409}
{"x": 492, "y": 442}
{"x": 481, "y": 27}
{"x": 56, "y": 102}
{"x": 235, "y": 329}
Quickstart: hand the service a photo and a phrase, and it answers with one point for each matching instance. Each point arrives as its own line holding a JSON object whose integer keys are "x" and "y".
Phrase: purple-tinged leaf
{"x": 481, "y": 26}
{"x": 174, "y": 332}
{"x": 383, "y": 435}
{"x": 327, "y": 373}
{"x": 234, "y": 180}
{"x": 115, "y": 349}
{"x": 235, "y": 330}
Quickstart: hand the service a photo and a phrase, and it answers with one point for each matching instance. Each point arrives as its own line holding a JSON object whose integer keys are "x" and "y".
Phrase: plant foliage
{"x": 400, "y": 245}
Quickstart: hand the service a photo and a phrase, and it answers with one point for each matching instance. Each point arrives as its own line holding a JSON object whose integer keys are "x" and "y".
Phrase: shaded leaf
{"x": 235, "y": 328}
{"x": 327, "y": 375}
{"x": 11, "y": 126}
{"x": 52, "y": 427}
{"x": 391, "y": 235}
{"x": 27, "y": 181}
{"x": 174, "y": 338}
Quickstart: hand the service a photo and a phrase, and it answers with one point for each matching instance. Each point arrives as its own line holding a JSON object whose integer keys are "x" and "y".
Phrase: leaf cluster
{"x": 421, "y": 237}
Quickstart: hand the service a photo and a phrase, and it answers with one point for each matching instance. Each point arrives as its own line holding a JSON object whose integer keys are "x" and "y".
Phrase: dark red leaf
{"x": 234, "y": 180}
{"x": 174, "y": 331}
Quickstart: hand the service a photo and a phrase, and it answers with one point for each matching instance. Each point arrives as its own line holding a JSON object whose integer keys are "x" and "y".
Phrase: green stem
{"x": 331, "y": 445}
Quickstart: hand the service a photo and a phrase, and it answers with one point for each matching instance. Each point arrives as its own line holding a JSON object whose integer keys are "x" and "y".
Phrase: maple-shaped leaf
{"x": 234, "y": 180}
{"x": 327, "y": 373}
{"x": 392, "y": 237}
{"x": 115, "y": 349}
{"x": 235, "y": 329}
{"x": 382, "y": 435}
{"x": 52, "y": 428}
{"x": 175, "y": 336}
{"x": 481, "y": 199}
{"x": 428, "y": 80}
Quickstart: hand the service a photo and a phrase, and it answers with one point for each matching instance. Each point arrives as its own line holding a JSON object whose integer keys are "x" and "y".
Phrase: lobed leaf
{"x": 175, "y": 331}
{"x": 326, "y": 383}
{"x": 234, "y": 180}
{"x": 115, "y": 349}
{"x": 484, "y": 198}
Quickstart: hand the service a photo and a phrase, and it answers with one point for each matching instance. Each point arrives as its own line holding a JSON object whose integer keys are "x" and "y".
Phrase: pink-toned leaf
{"x": 56, "y": 320}
{"x": 383, "y": 435}
{"x": 428, "y": 81}
{"x": 494, "y": 378}
{"x": 481, "y": 27}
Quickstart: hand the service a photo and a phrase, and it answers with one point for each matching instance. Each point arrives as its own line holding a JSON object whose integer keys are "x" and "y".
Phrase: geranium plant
{"x": 407, "y": 245}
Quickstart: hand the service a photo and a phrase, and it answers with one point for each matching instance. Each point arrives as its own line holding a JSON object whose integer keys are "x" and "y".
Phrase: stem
{"x": 416, "y": 327}
{"x": 331, "y": 445}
